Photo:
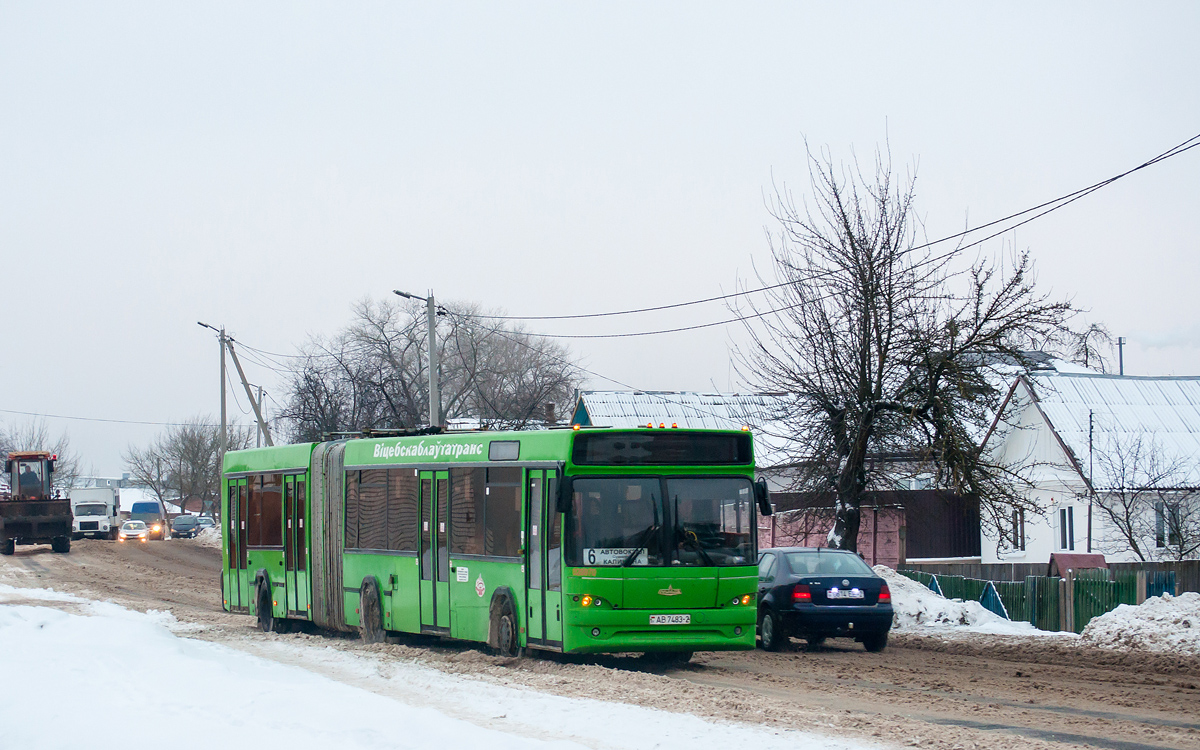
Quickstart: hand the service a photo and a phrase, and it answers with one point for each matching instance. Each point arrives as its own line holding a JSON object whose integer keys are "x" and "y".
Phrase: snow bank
{"x": 137, "y": 669}
{"x": 920, "y": 609}
{"x": 209, "y": 538}
{"x": 1168, "y": 624}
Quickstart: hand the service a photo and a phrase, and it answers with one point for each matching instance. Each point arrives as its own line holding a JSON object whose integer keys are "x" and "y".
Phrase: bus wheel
{"x": 266, "y": 616}
{"x": 370, "y": 614}
{"x": 8, "y": 546}
{"x": 504, "y": 627}
{"x": 61, "y": 544}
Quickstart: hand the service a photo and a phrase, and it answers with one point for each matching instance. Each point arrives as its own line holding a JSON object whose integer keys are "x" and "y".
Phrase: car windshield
{"x": 144, "y": 507}
{"x": 94, "y": 509}
{"x": 655, "y": 521}
{"x": 133, "y": 526}
{"x": 818, "y": 563}
{"x": 185, "y": 521}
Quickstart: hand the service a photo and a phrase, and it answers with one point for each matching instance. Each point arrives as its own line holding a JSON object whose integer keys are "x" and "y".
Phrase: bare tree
{"x": 1091, "y": 346}
{"x": 183, "y": 463}
{"x": 1177, "y": 525}
{"x": 374, "y": 373}
{"x": 34, "y": 435}
{"x": 883, "y": 349}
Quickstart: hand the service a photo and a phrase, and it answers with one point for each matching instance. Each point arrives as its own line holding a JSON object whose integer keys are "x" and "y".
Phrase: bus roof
{"x": 446, "y": 448}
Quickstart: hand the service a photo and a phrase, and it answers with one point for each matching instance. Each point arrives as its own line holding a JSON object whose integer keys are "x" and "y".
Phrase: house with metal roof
{"x": 1086, "y": 442}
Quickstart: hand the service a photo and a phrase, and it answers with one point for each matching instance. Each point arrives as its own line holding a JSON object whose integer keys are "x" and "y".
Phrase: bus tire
{"x": 502, "y": 626}
{"x": 8, "y": 546}
{"x": 370, "y": 612}
{"x": 61, "y": 544}
{"x": 266, "y": 616}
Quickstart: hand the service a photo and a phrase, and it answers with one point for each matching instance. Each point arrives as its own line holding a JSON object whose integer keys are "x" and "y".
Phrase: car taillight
{"x": 801, "y": 593}
{"x": 885, "y": 594}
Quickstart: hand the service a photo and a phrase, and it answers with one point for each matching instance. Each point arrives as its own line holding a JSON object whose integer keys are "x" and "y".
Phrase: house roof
{"x": 721, "y": 411}
{"x": 1164, "y": 410}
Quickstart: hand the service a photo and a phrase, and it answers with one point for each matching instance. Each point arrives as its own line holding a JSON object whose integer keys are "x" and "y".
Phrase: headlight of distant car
{"x": 156, "y": 527}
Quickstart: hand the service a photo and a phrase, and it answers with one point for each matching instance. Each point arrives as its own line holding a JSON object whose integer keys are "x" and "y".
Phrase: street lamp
{"x": 435, "y": 406}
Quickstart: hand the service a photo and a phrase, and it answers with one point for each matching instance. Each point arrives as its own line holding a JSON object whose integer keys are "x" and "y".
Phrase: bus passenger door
{"x": 293, "y": 543}
{"x": 425, "y": 554}
{"x": 552, "y": 543}
{"x": 535, "y": 578}
{"x": 300, "y": 574}
{"x": 235, "y": 529}
{"x": 441, "y": 535}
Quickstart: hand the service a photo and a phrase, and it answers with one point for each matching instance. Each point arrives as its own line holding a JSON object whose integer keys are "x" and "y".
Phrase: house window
{"x": 1018, "y": 529}
{"x": 1166, "y": 524}
{"x": 1066, "y": 528}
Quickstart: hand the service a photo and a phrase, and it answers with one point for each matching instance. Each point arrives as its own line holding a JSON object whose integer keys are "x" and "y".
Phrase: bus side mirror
{"x": 562, "y": 503}
{"x": 763, "y": 496}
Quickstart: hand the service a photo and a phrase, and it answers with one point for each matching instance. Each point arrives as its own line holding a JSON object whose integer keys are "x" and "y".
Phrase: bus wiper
{"x": 645, "y": 537}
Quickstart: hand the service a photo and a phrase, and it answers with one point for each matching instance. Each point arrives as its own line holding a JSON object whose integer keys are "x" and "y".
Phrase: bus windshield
{"x": 661, "y": 521}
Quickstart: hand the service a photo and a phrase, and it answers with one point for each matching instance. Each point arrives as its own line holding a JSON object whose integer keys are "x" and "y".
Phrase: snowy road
{"x": 983, "y": 691}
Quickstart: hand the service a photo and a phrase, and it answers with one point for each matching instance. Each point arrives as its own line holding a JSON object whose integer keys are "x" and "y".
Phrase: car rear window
{"x": 828, "y": 564}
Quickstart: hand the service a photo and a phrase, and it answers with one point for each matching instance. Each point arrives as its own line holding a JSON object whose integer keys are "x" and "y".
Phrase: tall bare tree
{"x": 374, "y": 372}
{"x": 1145, "y": 498}
{"x": 884, "y": 349}
{"x": 35, "y": 435}
{"x": 183, "y": 464}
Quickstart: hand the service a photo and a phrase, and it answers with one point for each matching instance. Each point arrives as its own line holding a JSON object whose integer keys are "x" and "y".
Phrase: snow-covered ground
{"x": 210, "y": 537}
{"x": 919, "y": 609}
{"x": 108, "y": 677}
{"x": 1167, "y": 624}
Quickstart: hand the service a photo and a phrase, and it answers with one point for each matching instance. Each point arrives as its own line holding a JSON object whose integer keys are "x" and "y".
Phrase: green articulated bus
{"x": 571, "y": 540}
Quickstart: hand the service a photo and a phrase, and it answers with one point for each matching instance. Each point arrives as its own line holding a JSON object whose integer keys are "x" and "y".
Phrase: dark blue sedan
{"x": 815, "y": 593}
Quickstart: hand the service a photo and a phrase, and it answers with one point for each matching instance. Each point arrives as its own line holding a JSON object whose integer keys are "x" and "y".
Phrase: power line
{"x": 100, "y": 419}
{"x": 1053, "y": 205}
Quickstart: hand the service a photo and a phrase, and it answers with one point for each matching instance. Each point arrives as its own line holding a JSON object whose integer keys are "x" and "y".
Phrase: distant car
{"x": 136, "y": 531}
{"x": 206, "y": 523}
{"x": 814, "y": 594}
{"x": 151, "y": 512}
{"x": 185, "y": 526}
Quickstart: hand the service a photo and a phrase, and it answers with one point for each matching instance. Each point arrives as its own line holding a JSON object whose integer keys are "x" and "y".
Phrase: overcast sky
{"x": 264, "y": 166}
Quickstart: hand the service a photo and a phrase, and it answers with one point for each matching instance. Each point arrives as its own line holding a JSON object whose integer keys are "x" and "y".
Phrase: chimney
{"x": 550, "y": 414}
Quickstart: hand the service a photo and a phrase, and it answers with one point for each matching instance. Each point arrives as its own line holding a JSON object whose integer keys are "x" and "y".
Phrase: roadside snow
{"x": 209, "y": 538}
{"x": 1167, "y": 624}
{"x": 919, "y": 609}
{"x": 302, "y": 697}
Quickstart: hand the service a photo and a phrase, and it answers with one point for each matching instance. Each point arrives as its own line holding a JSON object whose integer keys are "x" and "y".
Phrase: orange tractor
{"x": 33, "y": 512}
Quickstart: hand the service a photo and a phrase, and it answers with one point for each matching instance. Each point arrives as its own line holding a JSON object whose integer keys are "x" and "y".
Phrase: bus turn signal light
{"x": 801, "y": 593}
{"x": 746, "y": 599}
{"x": 587, "y": 601}
{"x": 885, "y": 594}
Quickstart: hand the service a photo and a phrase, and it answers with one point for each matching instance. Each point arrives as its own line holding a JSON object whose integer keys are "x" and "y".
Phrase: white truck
{"x": 96, "y": 512}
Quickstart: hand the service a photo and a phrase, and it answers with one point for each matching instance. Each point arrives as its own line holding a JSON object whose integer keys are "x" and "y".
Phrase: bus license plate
{"x": 670, "y": 619}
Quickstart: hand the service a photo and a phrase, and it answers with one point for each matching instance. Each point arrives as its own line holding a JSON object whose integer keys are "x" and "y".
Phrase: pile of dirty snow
{"x": 920, "y": 609}
{"x": 1168, "y": 624}
{"x": 209, "y": 538}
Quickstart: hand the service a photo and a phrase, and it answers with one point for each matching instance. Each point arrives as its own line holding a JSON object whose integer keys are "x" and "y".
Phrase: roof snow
{"x": 762, "y": 412}
{"x": 1165, "y": 410}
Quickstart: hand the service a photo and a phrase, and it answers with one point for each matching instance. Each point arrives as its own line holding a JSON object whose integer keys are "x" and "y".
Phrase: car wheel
{"x": 770, "y": 631}
{"x": 875, "y": 642}
{"x": 266, "y": 616}
{"x": 370, "y": 615}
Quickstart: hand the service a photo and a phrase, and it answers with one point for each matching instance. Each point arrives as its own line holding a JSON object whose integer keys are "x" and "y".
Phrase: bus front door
{"x": 237, "y": 578}
{"x": 543, "y": 571}
{"x": 435, "y": 559}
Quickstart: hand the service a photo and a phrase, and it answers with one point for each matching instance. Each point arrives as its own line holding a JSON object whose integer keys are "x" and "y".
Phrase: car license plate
{"x": 670, "y": 619}
{"x": 845, "y": 594}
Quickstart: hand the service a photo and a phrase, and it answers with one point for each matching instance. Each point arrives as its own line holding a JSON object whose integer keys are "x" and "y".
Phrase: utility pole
{"x": 1121, "y": 354}
{"x": 435, "y": 399}
{"x": 258, "y": 432}
{"x": 223, "y": 444}
{"x": 1091, "y": 479}
{"x": 262, "y": 425}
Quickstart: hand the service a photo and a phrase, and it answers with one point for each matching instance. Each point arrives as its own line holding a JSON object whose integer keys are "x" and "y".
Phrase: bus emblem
{"x": 670, "y": 591}
{"x": 480, "y": 588}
